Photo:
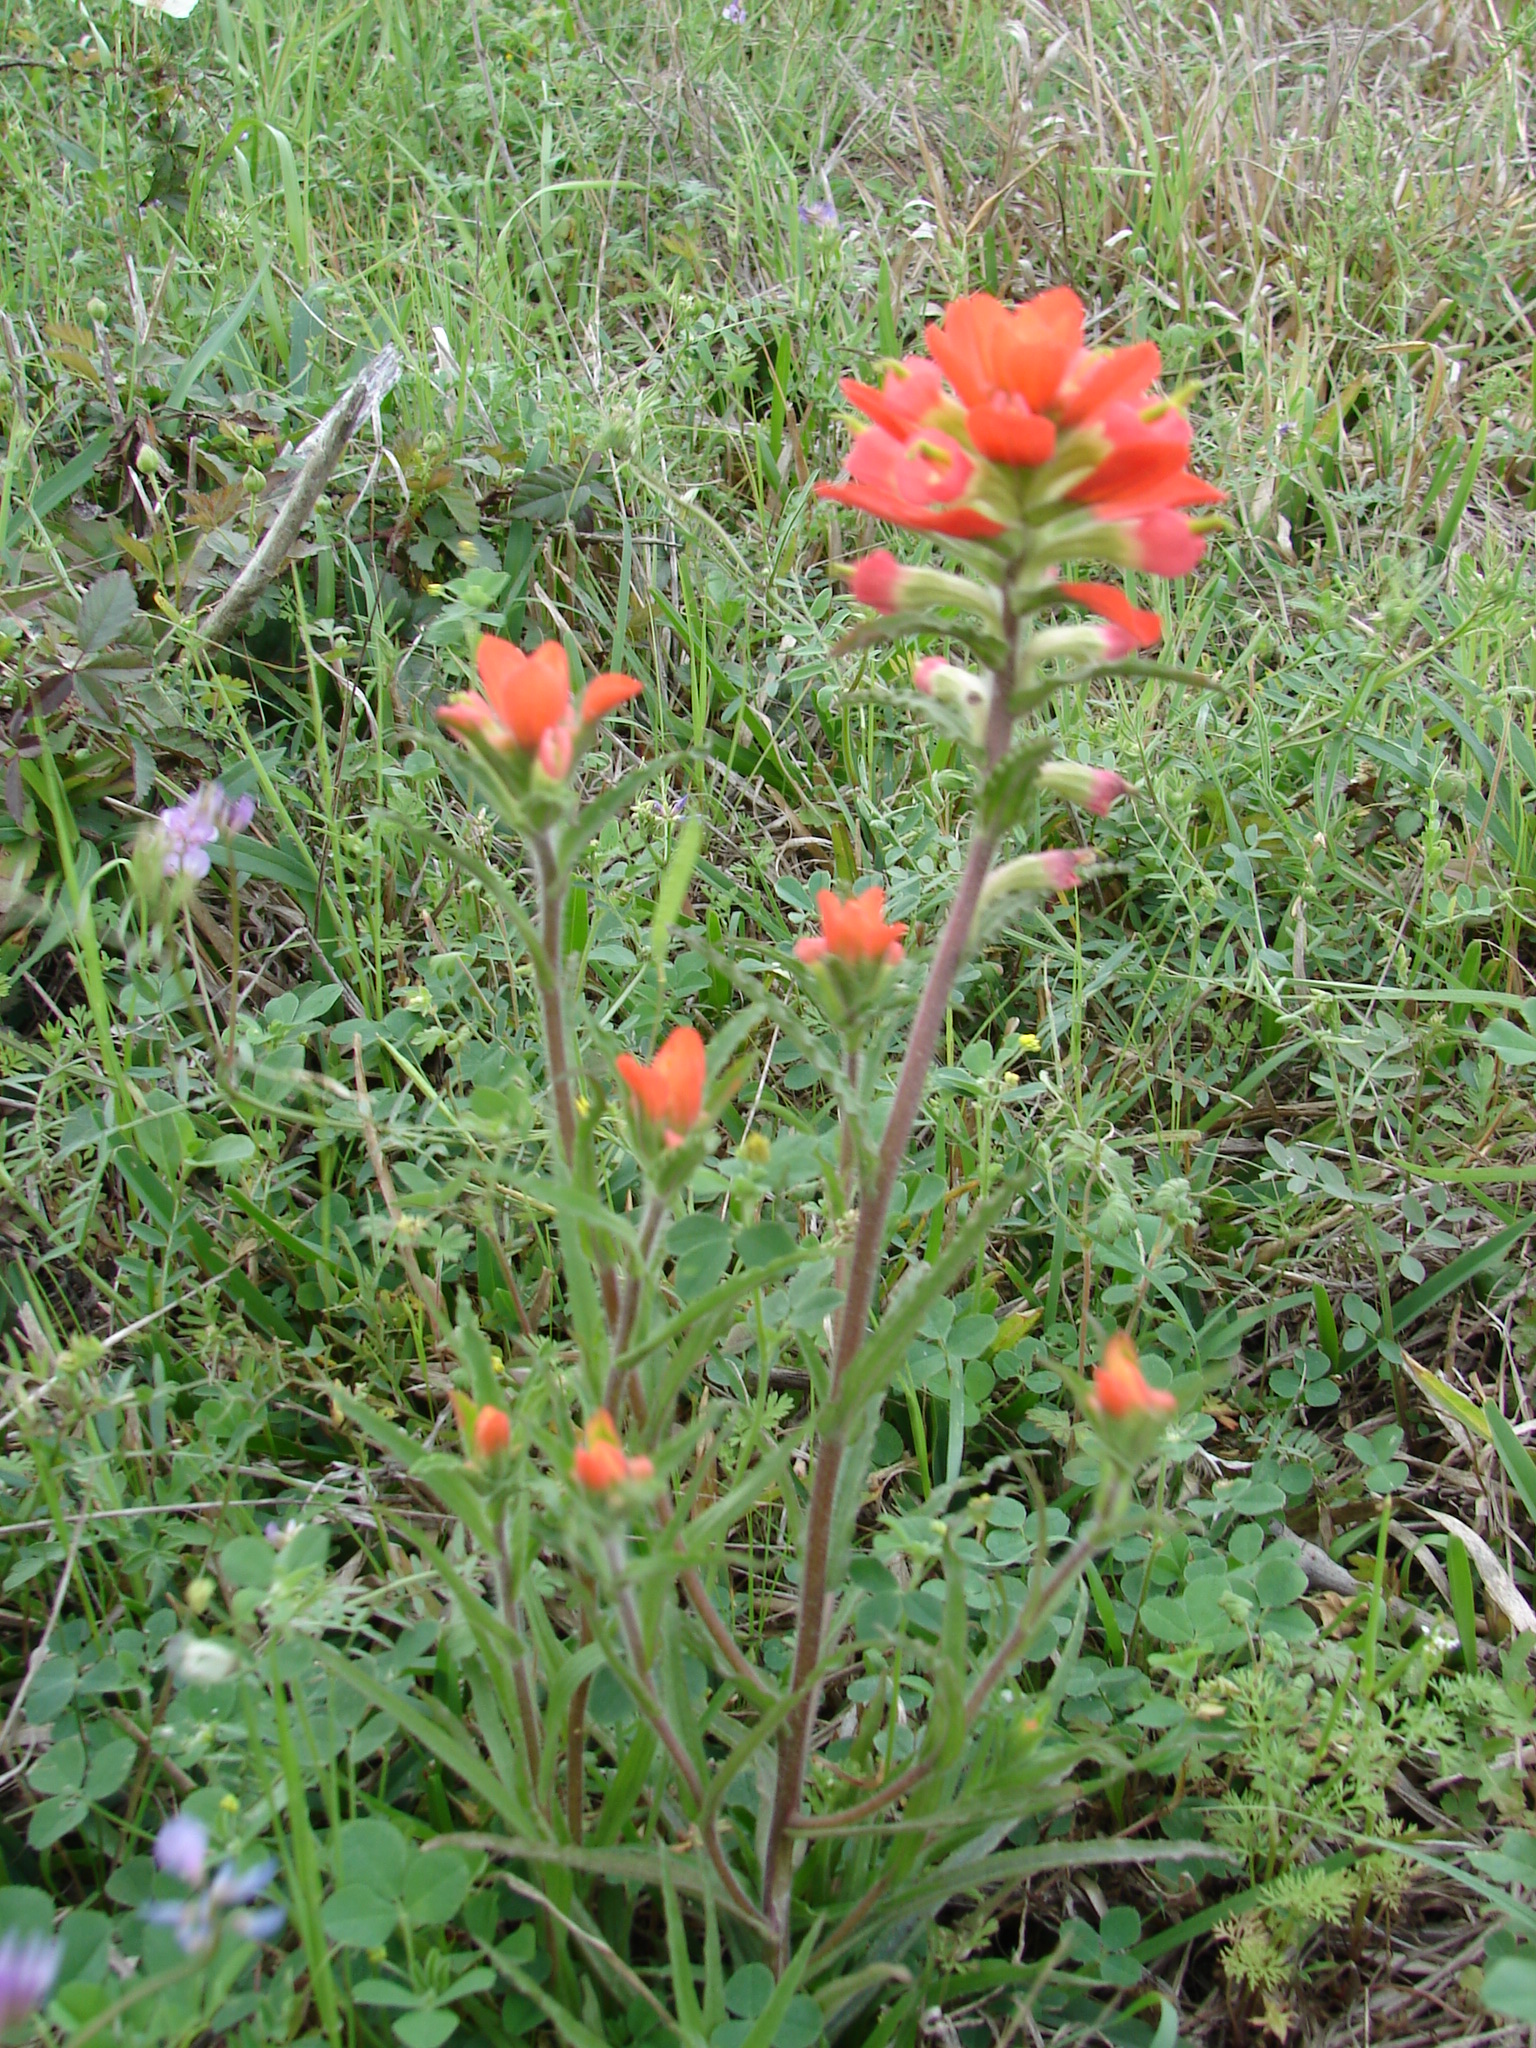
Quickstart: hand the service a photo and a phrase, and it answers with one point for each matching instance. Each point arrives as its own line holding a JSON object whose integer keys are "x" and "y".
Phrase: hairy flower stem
{"x": 549, "y": 974}
{"x": 575, "y": 1747}
{"x": 794, "y": 1746}
{"x": 551, "y": 996}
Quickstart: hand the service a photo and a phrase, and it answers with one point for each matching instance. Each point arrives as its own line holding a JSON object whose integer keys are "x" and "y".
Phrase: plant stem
{"x": 551, "y": 996}
{"x": 234, "y": 954}
{"x": 575, "y": 1748}
{"x": 864, "y": 1272}
{"x": 549, "y": 973}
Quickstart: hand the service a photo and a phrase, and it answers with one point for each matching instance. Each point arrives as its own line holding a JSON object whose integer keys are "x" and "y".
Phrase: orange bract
{"x": 600, "y": 1462}
{"x": 492, "y": 1432}
{"x": 606, "y": 693}
{"x": 853, "y": 929}
{"x": 524, "y": 703}
{"x": 986, "y": 348}
{"x": 1140, "y": 629}
{"x": 669, "y": 1093}
{"x": 1121, "y": 1389}
{"x": 527, "y": 693}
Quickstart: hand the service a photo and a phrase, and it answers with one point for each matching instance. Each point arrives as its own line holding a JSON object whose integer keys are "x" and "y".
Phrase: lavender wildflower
{"x": 819, "y": 213}
{"x": 224, "y": 1906}
{"x": 181, "y": 1848}
{"x": 735, "y": 12}
{"x": 187, "y": 830}
{"x": 29, "y": 1963}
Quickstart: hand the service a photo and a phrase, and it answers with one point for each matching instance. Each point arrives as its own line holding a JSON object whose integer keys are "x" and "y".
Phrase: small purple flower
{"x": 190, "y": 1920}
{"x": 735, "y": 12}
{"x": 238, "y": 1888}
{"x": 819, "y": 213}
{"x": 224, "y": 1905}
{"x": 187, "y": 830}
{"x": 29, "y": 1963}
{"x": 181, "y": 1849}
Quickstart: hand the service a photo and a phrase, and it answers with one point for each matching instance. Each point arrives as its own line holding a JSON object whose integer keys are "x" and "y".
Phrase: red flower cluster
{"x": 853, "y": 930}
{"x": 1009, "y": 415}
{"x": 669, "y": 1093}
{"x": 600, "y": 1462}
{"x": 524, "y": 703}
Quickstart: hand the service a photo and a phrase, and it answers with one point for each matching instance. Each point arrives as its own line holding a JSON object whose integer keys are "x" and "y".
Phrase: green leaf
{"x": 1513, "y": 1456}
{"x": 383, "y": 1991}
{"x": 1007, "y": 789}
{"x": 766, "y": 2025}
{"x": 210, "y": 349}
{"x": 57, "y": 489}
{"x": 357, "y": 1917}
{"x": 55, "y": 1819}
{"x": 1167, "y": 1619}
{"x": 372, "y": 1853}
{"x": 1509, "y": 1987}
{"x": 1443, "y": 1395}
{"x": 249, "y": 1561}
{"x": 1459, "y": 1271}
{"x": 1458, "y": 1569}
{"x": 1120, "y": 1928}
{"x": 1516, "y": 1048}
{"x": 673, "y": 888}
{"x": 106, "y": 608}
{"x": 62, "y": 1769}
{"x": 747, "y": 1992}
{"x": 25, "y": 1910}
{"x": 109, "y": 1769}
{"x": 451, "y": 1748}
{"x": 428, "y": 2028}
{"x": 436, "y": 1885}
{"x": 1279, "y": 1581}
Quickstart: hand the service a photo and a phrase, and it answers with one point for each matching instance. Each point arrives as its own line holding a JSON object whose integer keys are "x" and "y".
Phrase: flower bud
{"x": 148, "y": 461}
{"x": 967, "y": 694}
{"x": 1059, "y": 869}
{"x": 1096, "y": 789}
{"x": 492, "y": 1433}
{"x": 889, "y": 586}
{"x": 199, "y": 1594}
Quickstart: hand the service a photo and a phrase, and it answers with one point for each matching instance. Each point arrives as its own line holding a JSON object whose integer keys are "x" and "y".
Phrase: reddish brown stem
{"x": 794, "y": 1745}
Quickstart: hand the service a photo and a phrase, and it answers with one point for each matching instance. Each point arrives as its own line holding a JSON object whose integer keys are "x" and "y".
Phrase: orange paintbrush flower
{"x": 853, "y": 930}
{"x": 1009, "y": 400}
{"x": 669, "y": 1093}
{"x": 1120, "y": 1388}
{"x": 524, "y": 703}
{"x": 600, "y": 1462}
